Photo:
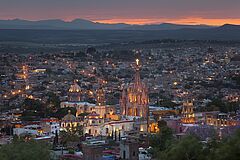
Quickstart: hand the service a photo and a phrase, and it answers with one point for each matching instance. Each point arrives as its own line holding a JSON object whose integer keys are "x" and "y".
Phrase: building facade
{"x": 134, "y": 100}
{"x": 188, "y": 113}
{"x": 74, "y": 93}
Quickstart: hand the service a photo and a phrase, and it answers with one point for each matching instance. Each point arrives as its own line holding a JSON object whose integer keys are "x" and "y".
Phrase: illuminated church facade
{"x": 134, "y": 100}
{"x": 74, "y": 93}
{"x": 188, "y": 116}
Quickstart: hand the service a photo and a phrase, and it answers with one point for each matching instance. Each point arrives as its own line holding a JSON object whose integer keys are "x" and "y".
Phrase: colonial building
{"x": 95, "y": 125}
{"x": 50, "y": 126}
{"x": 221, "y": 120}
{"x": 74, "y": 97}
{"x": 129, "y": 149}
{"x": 134, "y": 100}
{"x": 74, "y": 100}
{"x": 92, "y": 124}
{"x": 117, "y": 129}
{"x": 100, "y": 108}
{"x": 188, "y": 113}
{"x": 69, "y": 122}
{"x": 100, "y": 97}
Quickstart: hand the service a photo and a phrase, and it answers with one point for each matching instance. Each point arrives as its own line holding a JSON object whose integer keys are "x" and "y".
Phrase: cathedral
{"x": 134, "y": 99}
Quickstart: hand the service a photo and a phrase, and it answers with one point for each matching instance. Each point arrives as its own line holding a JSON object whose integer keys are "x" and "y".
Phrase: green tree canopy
{"x": 161, "y": 140}
{"x": 222, "y": 106}
{"x": 188, "y": 148}
{"x": 20, "y": 150}
{"x": 61, "y": 112}
{"x": 191, "y": 148}
{"x": 229, "y": 149}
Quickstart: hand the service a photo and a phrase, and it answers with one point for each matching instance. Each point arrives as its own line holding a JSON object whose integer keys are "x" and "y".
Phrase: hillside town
{"x": 108, "y": 104}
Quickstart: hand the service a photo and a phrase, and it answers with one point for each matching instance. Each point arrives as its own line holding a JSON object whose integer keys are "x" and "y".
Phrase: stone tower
{"x": 74, "y": 93}
{"x": 100, "y": 97}
{"x": 188, "y": 113}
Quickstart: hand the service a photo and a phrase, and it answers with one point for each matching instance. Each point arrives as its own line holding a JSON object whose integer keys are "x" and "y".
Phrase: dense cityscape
{"x": 102, "y": 103}
{"x": 119, "y": 80}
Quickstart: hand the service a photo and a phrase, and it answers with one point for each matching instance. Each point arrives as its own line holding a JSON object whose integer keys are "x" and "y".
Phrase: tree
{"x": 162, "y": 140}
{"x": 236, "y": 79}
{"x": 68, "y": 137}
{"x": 33, "y": 110}
{"x": 53, "y": 104}
{"x": 228, "y": 149}
{"x": 20, "y": 150}
{"x": 61, "y": 112}
{"x": 31, "y": 104}
{"x": 168, "y": 103}
{"x": 189, "y": 148}
{"x": 54, "y": 100}
{"x": 222, "y": 106}
{"x": 162, "y": 124}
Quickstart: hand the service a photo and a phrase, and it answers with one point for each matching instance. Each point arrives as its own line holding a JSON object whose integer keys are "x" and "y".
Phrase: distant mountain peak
{"x": 81, "y": 20}
{"x": 78, "y": 24}
{"x": 230, "y": 26}
{"x": 51, "y": 20}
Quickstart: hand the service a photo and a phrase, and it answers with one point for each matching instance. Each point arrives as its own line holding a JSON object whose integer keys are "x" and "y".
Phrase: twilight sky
{"x": 213, "y": 12}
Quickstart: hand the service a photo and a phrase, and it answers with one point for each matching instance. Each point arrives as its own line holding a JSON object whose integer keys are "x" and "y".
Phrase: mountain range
{"x": 82, "y": 24}
{"x": 81, "y": 31}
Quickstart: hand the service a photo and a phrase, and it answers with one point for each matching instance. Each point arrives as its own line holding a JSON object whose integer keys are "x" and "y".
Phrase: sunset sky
{"x": 212, "y": 12}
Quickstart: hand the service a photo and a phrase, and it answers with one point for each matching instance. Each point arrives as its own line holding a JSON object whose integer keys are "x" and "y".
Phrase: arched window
{"x": 107, "y": 130}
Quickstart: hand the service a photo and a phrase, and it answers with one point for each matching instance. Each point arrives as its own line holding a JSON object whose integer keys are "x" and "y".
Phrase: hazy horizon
{"x": 209, "y": 12}
{"x": 103, "y": 22}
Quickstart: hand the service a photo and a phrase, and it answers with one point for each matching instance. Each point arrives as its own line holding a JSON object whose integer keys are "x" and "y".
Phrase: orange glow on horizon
{"x": 188, "y": 20}
{"x": 144, "y": 21}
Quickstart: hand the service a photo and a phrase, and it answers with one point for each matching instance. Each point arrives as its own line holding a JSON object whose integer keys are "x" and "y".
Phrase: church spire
{"x": 137, "y": 78}
{"x": 134, "y": 99}
{"x": 100, "y": 97}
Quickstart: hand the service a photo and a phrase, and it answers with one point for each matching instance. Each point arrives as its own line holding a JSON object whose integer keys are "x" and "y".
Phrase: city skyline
{"x": 131, "y": 12}
{"x": 119, "y": 79}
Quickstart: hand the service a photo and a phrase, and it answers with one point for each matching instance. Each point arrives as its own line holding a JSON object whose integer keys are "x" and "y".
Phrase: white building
{"x": 82, "y": 107}
{"x": 29, "y": 129}
{"x": 50, "y": 126}
{"x": 95, "y": 126}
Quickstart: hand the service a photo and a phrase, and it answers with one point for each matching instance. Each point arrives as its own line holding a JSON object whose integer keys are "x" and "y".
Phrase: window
{"x": 134, "y": 153}
{"x": 107, "y": 130}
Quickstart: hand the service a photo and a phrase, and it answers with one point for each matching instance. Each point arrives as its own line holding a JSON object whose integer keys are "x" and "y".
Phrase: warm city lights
{"x": 119, "y": 80}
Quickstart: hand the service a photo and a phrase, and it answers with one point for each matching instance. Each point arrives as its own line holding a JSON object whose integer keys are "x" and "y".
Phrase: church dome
{"x": 69, "y": 117}
{"x": 74, "y": 88}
